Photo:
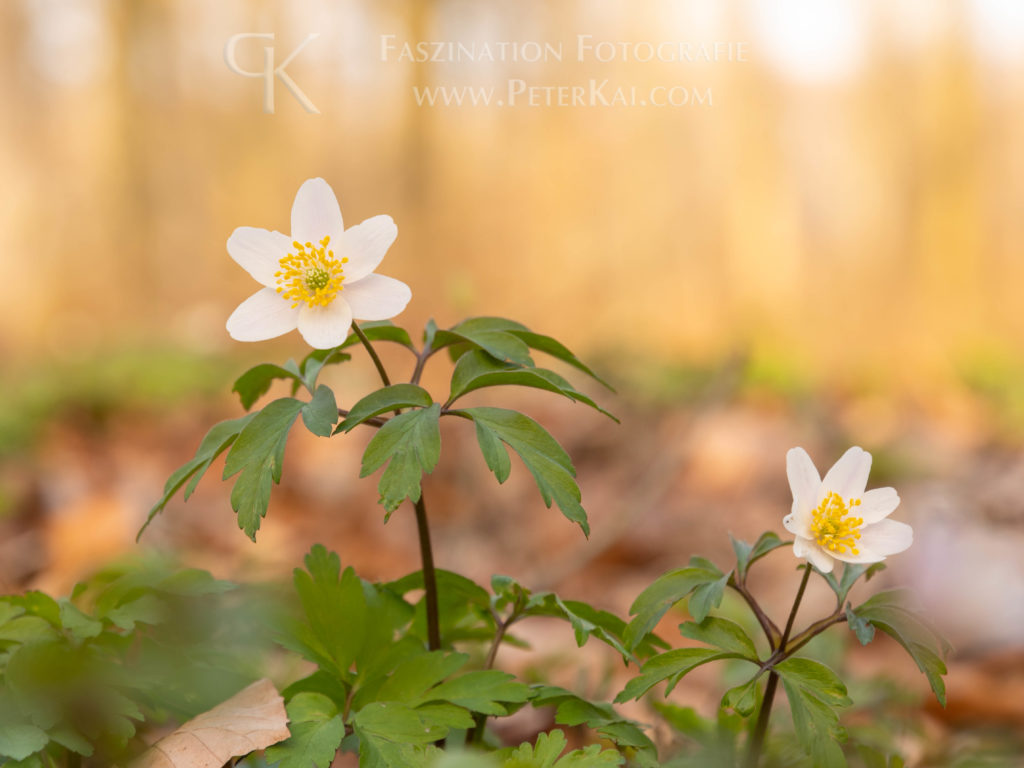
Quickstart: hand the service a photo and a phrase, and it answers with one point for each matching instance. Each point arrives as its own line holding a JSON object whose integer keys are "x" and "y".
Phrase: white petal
{"x": 886, "y": 537}
{"x": 376, "y": 297}
{"x": 325, "y": 327}
{"x": 806, "y": 548}
{"x": 797, "y": 524}
{"x": 258, "y": 251}
{"x": 876, "y": 505}
{"x": 805, "y": 484}
{"x": 849, "y": 476}
{"x": 365, "y": 245}
{"x": 263, "y": 315}
{"x": 316, "y": 214}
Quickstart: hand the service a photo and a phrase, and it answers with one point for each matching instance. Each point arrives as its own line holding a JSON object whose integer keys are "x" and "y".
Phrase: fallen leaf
{"x": 252, "y": 719}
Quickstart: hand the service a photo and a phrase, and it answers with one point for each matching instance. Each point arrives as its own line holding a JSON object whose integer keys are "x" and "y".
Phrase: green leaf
{"x": 721, "y": 633}
{"x": 316, "y": 361}
{"x": 411, "y": 680}
{"x": 667, "y": 590}
{"x": 573, "y": 710}
{"x": 335, "y": 610}
{"x": 586, "y": 622}
{"x": 255, "y": 382}
{"x": 851, "y": 572}
{"x": 316, "y": 733}
{"x": 380, "y": 330}
{"x": 388, "y": 731}
{"x": 484, "y": 691}
{"x": 411, "y": 444}
{"x": 321, "y": 413}
{"x": 742, "y": 699}
{"x": 477, "y": 369}
{"x": 885, "y": 612}
{"x": 707, "y": 596}
{"x": 747, "y": 555}
{"x": 547, "y": 753}
{"x": 557, "y": 350}
{"x": 861, "y": 627}
{"x": 672, "y": 666}
{"x": 815, "y": 678}
{"x": 817, "y": 727}
{"x": 18, "y": 741}
{"x": 543, "y": 456}
{"x": 216, "y": 441}
{"x": 491, "y": 334}
{"x": 258, "y": 453}
{"x": 71, "y": 739}
{"x": 383, "y": 400}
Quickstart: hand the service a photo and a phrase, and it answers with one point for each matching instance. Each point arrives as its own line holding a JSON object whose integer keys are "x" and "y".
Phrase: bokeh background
{"x": 826, "y": 254}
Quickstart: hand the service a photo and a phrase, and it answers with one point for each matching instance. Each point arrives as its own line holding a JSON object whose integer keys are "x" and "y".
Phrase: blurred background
{"x": 820, "y": 247}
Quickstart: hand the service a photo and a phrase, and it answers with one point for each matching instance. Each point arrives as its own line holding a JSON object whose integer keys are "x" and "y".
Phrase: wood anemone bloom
{"x": 835, "y": 518}
{"x": 318, "y": 280}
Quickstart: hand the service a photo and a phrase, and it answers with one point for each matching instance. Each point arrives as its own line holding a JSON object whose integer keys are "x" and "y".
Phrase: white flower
{"x": 835, "y": 518}
{"x": 319, "y": 279}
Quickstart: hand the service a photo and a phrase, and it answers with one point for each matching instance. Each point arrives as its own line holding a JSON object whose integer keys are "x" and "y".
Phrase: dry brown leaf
{"x": 254, "y": 718}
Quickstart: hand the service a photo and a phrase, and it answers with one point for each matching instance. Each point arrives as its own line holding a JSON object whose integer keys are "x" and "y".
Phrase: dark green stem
{"x": 373, "y": 354}
{"x": 761, "y": 727}
{"x": 429, "y": 577}
{"x": 422, "y": 526}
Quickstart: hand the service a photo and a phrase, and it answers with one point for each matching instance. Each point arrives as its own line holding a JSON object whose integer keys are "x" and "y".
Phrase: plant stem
{"x": 373, "y": 354}
{"x": 761, "y": 727}
{"x": 771, "y": 631}
{"x": 422, "y": 526}
{"x": 429, "y": 577}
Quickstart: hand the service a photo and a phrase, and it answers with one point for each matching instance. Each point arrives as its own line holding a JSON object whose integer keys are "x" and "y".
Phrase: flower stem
{"x": 373, "y": 354}
{"x": 429, "y": 577}
{"x": 761, "y": 727}
{"x": 422, "y": 527}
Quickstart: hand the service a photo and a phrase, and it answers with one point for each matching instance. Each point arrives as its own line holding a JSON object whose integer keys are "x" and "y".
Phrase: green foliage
{"x": 410, "y": 444}
{"x": 669, "y": 589}
{"x": 886, "y": 611}
{"x": 380, "y": 330}
{"x": 316, "y": 731}
{"x": 383, "y": 400}
{"x": 747, "y": 555}
{"x": 478, "y": 369}
{"x": 80, "y": 674}
{"x": 549, "y": 464}
{"x": 547, "y": 753}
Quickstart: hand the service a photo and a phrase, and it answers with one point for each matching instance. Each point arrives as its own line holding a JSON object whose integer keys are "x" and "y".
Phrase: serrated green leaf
{"x": 862, "y": 628}
{"x": 412, "y": 680}
{"x": 667, "y": 590}
{"x": 27, "y": 629}
{"x": 672, "y": 666}
{"x": 547, "y": 753}
{"x": 816, "y": 725}
{"x": 316, "y": 733}
{"x": 321, "y": 413}
{"x": 721, "y": 633}
{"x": 483, "y": 691}
{"x": 492, "y": 335}
{"x": 886, "y": 612}
{"x": 383, "y": 400}
{"x": 217, "y": 440}
{"x": 747, "y": 555}
{"x": 18, "y": 741}
{"x": 411, "y": 444}
{"x": 546, "y": 460}
{"x": 255, "y": 382}
{"x": 71, "y": 739}
{"x": 556, "y": 349}
{"x": 707, "y": 596}
{"x": 477, "y": 369}
{"x": 815, "y": 678}
{"x": 258, "y": 454}
{"x": 388, "y": 732}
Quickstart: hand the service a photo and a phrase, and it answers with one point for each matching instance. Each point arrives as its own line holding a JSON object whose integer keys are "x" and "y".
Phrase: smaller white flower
{"x": 319, "y": 279}
{"x": 836, "y": 518}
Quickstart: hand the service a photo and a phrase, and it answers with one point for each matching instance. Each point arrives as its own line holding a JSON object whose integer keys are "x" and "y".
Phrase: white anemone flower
{"x": 319, "y": 279}
{"x": 836, "y": 518}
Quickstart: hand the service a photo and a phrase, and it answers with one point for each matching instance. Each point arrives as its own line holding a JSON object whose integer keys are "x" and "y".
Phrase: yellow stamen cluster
{"x": 310, "y": 275}
{"x": 831, "y": 526}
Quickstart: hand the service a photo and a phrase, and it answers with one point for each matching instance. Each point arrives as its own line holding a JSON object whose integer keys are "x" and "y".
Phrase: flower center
{"x": 311, "y": 274}
{"x": 831, "y": 526}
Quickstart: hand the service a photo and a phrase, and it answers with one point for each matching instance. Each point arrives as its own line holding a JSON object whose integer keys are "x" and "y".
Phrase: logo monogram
{"x": 269, "y": 70}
